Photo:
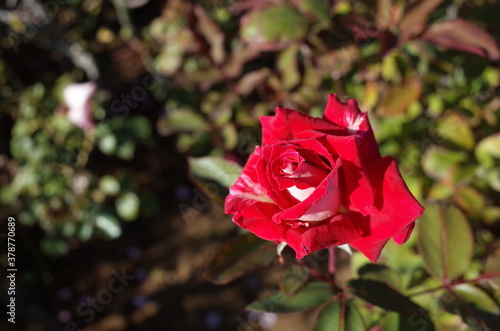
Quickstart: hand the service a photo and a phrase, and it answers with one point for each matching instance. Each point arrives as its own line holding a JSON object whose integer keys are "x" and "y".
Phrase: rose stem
{"x": 331, "y": 263}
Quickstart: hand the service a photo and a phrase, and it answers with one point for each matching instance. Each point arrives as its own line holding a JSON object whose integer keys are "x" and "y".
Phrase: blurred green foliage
{"x": 425, "y": 70}
{"x": 52, "y": 185}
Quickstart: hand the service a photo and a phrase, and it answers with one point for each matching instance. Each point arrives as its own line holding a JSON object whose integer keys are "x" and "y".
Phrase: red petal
{"x": 247, "y": 189}
{"x": 349, "y": 116}
{"x": 338, "y": 231}
{"x": 311, "y": 149}
{"x": 275, "y": 128}
{"x": 265, "y": 176}
{"x": 325, "y": 196}
{"x": 287, "y": 122}
{"x": 394, "y": 212}
{"x": 369, "y": 247}
{"x": 256, "y": 218}
{"x": 359, "y": 194}
{"x": 291, "y": 169}
{"x": 404, "y": 235}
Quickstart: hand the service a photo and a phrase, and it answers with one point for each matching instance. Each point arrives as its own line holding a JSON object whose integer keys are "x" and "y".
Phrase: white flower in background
{"x": 265, "y": 320}
{"x": 77, "y": 98}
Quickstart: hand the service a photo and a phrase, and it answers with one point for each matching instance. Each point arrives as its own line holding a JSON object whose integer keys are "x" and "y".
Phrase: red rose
{"x": 321, "y": 182}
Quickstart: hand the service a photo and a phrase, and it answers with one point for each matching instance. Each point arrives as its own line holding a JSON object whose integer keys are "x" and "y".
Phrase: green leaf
{"x": 215, "y": 168}
{"x": 390, "y": 71}
{"x": 230, "y": 136}
{"x": 109, "y": 185}
{"x": 382, "y": 17}
{"x": 219, "y": 107}
{"x": 127, "y": 206}
{"x": 403, "y": 260}
{"x": 149, "y": 204}
{"x": 54, "y": 246}
{"x": 470, "y": 200}
{"x": 339, "y": 61}
{"x": 463, "y": 35}
{"x": 251, "y": 80}
{"x": 492, "y": 76}
{"x": 313, "y": 294}
{"x": 475, "y": 306}
{"x": 438, "y": 162}
{"x": 109, "y": 225}
{"x": 440, "y": 191}
{"x": 273, "y": 27}
{"x": 287, "y": 67}
{"x": 399, "y": 322}
{"x": 181, "y": 120}
{"x": 343, "y": 8}
{"x": 85, "y": 232}
{"x": 390, "y": 127}
{"x": 139, "y": 127}
{"x": 492, "y": 264}
{"x": 381, "y": 274}
{"x": 390, "y": 322}
{"x": 491, "y": 214}
{"x": 417, "y": 321}
{"x": 170, "y": 58}
{"x": 240, "y": 256}
{"x": 410, "y": 315}
{"x": 108, "y": 144}
{"x": 194, "y": 143}
{"x": 493, "y": 177}
{"x": 126, "y": 150}
{"x": 435, "y": 104}
{"x": 454, "y": 128}
{"x": 294, "y": 278}
{"x": 212, "y": 33}
{"x": 380, "y": 294}
{"x": 397, "y": 99}
{"x": 476, "y": 296}
{"x": 319, "y": 8}
{"x": 331, "y": 318}
{"x": 488, "y": 149}
{"x": 445, "y": 241}
{"x": 415, "y": 17}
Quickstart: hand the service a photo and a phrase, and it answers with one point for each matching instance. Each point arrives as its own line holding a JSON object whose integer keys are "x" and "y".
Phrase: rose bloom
{"x": 321, "y": 182}
{"x": 78, "y": 99}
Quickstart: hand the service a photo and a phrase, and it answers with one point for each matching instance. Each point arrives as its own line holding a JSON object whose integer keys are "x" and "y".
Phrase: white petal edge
{"x": 326, "y": 206}
{"x": 346, "y": 248}
{"x": 247, "y": 183}
{"x": 281, "y": 246}
{"x": 299, "y": 194}
{"x": 355, "y": 123}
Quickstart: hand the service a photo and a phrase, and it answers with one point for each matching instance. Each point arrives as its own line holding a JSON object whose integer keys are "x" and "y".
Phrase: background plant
{"x": 426, "y": 71}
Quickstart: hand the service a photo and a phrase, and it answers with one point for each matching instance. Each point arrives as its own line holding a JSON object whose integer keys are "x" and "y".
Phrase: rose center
{"x": 299, "y": 176}
{"x": 294, "y": 166}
